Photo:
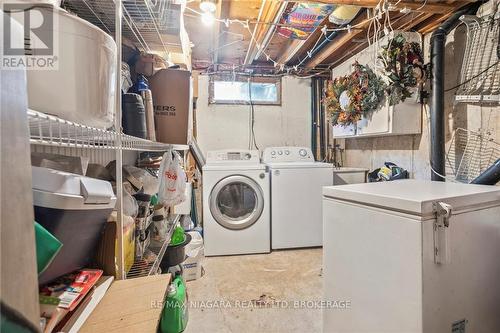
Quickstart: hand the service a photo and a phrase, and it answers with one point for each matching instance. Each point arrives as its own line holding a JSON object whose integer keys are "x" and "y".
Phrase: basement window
{"x": 235, "y": 90}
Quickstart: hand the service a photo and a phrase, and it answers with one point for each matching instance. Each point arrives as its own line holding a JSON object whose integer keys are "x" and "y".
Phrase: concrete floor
{"x": 258, "y": 293}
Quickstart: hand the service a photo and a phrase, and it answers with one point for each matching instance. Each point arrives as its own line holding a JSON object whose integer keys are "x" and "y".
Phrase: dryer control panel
{"x": 287, "y": 154}
{"x": 232, "y": 155}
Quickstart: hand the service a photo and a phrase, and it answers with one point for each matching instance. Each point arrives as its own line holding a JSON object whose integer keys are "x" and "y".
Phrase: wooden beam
{"x": 431, "y": 25}
{"x": 430, "y": 7}
{"x": 216, "y": 32}
{"x": 360, "y": 22}
{"x": 337, "y": 43}
{"x": 349, "y": 49}
{"x": 297, "y": 44}
{"x": 269, "y": 10}
{"x": 291, "y": 50}
{"x": 414, "y": 21}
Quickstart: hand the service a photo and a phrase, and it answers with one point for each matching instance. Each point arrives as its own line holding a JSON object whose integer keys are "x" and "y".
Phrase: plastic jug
{"x": 174, "y": 317}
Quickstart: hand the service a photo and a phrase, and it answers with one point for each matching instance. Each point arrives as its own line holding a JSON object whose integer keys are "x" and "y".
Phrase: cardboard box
{"x": 171, "y": 89}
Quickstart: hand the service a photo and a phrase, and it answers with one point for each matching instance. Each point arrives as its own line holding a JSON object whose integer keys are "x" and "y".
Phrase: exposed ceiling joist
{"x": 268, "y": 12}
{"x": 401, "y": 22}
{"x": 361, "y": 22}
{"x": 292, "y": 48}
{"x": 216, "y": 32}
{"x": 430, "y": 7}
{"x": 432, "y": 23}
{"x": 296, "y": 45}
{"x": 338, "y": 42}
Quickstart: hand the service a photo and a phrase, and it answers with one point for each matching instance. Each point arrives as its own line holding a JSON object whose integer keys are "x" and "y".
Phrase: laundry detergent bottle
{"x": 174, "y": 316}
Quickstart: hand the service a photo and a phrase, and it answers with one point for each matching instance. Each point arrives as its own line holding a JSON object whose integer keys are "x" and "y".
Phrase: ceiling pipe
{"x": 437, "y": 115}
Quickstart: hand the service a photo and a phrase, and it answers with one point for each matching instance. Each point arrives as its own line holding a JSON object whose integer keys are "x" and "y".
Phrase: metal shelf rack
{"x": 146, "y": 21}
{"x": 49, "y": 130}
{"x": 470, "y": 153}
{"x": 480, "y": 81}
{"x": 141, "y": 268}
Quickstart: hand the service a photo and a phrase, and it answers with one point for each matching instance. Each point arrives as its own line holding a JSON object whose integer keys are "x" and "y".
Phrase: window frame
{"x": 244, "y": 78}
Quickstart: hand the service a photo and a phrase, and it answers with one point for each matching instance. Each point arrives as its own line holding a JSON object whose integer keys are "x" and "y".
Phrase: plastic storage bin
{"x": 74, "y": 209}
{"x": 195, "y": 254}
{"x": 81, "y": 89}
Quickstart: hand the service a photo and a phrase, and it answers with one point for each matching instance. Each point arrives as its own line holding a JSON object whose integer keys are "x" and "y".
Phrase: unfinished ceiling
{"x": 224, "y": 47}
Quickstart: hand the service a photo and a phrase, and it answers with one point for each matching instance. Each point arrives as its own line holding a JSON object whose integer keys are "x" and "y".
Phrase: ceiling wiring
{"x": 380, "y": 23}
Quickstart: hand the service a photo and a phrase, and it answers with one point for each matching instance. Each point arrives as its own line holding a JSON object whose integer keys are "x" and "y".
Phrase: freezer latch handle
{"x": 441, "y": 230}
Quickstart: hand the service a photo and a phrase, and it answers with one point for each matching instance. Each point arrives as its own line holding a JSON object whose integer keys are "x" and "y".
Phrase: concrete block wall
{"x": 227, "y": 126}
{"x": 412, "y": 151}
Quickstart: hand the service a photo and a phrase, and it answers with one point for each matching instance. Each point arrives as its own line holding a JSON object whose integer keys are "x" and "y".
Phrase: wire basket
{"x": 470, "y": 153}
{"x": 480, "y": 78}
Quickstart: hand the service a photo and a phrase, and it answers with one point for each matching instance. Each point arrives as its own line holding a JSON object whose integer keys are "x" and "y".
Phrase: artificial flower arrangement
{"x": 348, "y": 98}
{"x": 403, "y": 67}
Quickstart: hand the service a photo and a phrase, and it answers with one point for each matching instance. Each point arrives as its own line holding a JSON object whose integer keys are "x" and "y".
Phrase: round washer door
{"x": 236, "y": 202}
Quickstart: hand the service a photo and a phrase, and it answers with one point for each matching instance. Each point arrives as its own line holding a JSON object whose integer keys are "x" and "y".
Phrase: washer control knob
{"x": 287, "y": 152}
{"x": 248, "y": 156}
{"x": 280, "y": 152}
{"x": 273, "y": 153}
{"x": 303, "y": 152}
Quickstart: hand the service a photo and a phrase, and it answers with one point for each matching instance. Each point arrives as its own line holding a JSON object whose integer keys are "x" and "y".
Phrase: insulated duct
{"x": 437, "y": 116}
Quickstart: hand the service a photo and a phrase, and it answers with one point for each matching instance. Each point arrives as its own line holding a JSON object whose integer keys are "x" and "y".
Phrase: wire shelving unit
{"x": 470, "y": 153}
{"x": 480, "y": 80}
{"x": 49, "y": 130}
{"x": 144, "y": 268}
{"x": 147, "y": 22}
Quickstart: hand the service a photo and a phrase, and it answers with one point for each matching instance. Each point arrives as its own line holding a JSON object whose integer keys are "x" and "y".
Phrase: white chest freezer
{"x": 412, "y": 256}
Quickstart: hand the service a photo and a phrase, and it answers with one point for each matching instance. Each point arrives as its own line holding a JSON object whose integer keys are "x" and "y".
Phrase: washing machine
{"x": 297, "y": 182}
{"x": 236, "y": 214}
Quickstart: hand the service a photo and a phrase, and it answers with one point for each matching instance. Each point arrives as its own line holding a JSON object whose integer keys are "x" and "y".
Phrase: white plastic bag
{"x": 130, "y": 206}
{"x": 172, "y": 180}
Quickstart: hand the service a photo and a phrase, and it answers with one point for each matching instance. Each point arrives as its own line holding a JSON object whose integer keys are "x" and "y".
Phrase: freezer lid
{"x": 300, "y": 165}
{"x": 415, "y": 196}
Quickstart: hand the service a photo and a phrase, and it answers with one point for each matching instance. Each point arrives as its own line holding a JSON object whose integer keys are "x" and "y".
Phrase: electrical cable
{"x": 374, "y": 21}
{"x": 252, "y": 141}
{"x": 245, "y": 24}
{"x": 419, "y": 8}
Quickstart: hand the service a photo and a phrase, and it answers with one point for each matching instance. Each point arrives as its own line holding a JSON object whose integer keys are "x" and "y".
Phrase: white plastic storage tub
{"x": 82, "y": 89}
{"x": 346, "y": 175}
{"x": 195, "y": 255}
{"x": 74, "y": 209}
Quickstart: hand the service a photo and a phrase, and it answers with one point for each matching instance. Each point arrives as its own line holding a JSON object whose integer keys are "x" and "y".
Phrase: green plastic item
{"x": 174, "y": 317}
{"x": 47, "y": 247}
{"x": 178, "y": 236}
{"x": 154, "y": 200}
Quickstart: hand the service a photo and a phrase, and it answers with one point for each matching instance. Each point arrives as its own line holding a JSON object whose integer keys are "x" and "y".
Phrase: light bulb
{"x": 207, "y": 19}
{"x": 208, "y": 6}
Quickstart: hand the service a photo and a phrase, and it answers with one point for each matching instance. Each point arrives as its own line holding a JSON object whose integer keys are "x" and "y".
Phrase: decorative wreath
{"x": 404, "y": 67}
{"x": 348, "y": 98}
